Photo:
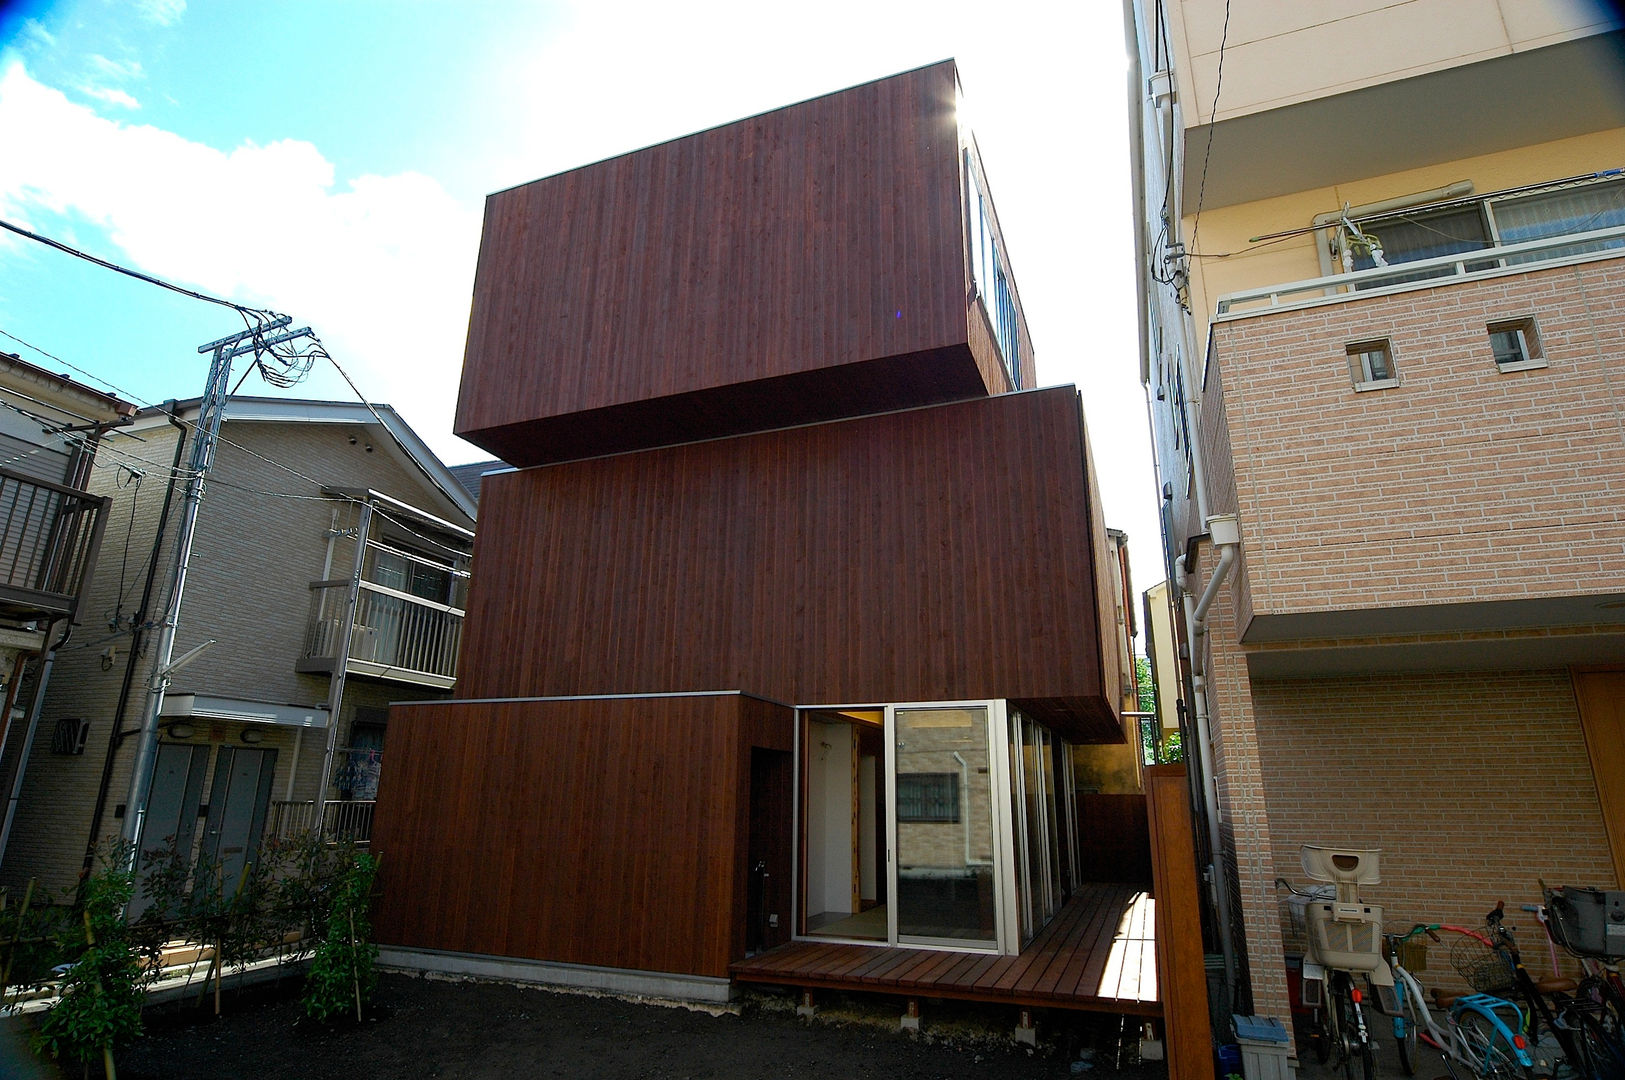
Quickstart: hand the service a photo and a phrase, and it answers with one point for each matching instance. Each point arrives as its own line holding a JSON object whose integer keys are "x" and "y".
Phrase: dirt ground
{"x": 431, "y": 1027}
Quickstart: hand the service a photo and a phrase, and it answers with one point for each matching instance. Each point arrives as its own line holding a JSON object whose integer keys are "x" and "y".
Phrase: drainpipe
{"x": 1226, "y": 536}
{"x": 34, "y": 707}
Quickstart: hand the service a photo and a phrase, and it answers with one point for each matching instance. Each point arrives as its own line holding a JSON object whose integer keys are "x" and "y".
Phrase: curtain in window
{"x": 1557, "y": 213}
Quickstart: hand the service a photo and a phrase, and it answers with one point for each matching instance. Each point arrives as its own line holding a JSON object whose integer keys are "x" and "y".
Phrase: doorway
{"x": 843, "y": 858}
{"x": 900, "y": 828}
{"x": 238, "y": 801}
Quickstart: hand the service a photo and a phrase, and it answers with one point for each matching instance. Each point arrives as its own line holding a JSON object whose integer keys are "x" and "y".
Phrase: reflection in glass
{"x": 945, "y": 879}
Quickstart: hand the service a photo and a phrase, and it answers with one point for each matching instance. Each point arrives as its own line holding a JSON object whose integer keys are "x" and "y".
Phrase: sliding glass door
{"x": 944, "y": 872}
{"x": 943, "y": 824}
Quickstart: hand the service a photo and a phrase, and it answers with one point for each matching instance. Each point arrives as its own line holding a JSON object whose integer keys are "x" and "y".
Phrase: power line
{"x": 245, "y": 312}
{"x": 1212, "y": 122}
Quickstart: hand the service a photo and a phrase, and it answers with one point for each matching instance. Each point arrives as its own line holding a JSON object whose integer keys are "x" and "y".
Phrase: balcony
{"x": 1499, "y": 260}
{"x": 49, "y": 538}
{"x": 337, "y": 821}
{"x": 395, "y": 635}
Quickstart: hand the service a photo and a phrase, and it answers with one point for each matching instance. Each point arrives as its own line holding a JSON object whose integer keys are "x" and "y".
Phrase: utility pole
{"x": 211, "y": 409}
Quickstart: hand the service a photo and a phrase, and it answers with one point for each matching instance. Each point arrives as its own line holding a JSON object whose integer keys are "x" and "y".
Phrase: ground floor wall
{"x": 1475, "y": 785}
{"x": 54, "y": 815}
{"x": 611, "y": 832}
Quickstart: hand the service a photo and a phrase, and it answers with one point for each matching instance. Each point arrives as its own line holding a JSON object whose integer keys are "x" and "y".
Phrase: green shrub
{"x": 103, "y": 989}
{"x": 341, "y": 976}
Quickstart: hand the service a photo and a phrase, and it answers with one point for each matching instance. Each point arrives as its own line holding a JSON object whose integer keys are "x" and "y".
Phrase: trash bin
{"x": 1266, "y": 1048}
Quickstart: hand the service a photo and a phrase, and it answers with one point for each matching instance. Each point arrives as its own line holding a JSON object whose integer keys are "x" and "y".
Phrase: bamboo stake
{"x": 355, "y": 966}
{"x": 16, "y": 936}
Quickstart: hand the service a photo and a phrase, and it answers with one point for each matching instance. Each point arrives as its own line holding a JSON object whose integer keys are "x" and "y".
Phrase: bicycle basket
{"x": 1413, "y": 954}
{"x": 1486, "y": 969}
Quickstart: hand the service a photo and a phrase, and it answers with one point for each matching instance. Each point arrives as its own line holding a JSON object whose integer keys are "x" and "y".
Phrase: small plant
{"x": 103, "y": 989}
{"x": 341, "y": 975}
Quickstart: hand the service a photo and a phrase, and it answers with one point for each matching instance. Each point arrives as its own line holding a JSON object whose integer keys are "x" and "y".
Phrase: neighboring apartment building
{"x": 798, "y": 596}
{"x": 1382, "y": 251}
{"x": 305, "y": 498}
{"x": 51, "y": 528}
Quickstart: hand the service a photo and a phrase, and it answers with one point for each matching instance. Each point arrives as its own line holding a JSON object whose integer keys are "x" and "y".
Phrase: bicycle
{"x": 1586, "y": 1044}
{"x": 1344, "y": 938}
{"x": 1590, "y": 925}
{"x": 1482, "y": 1033}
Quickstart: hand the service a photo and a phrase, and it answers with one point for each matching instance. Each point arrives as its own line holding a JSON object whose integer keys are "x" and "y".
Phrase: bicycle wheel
{"x": 1407, "y": 1029}
{"x": 1338, "y": 1022}
{"x": 1486, "y": 1049}
{"x": 1605, "y": 1057}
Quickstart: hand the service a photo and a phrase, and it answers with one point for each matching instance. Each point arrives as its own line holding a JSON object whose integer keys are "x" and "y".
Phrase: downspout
{"x": 116, "y": 737}
{"x": 27, "y": 749}
{"x": 1223, "y": 531}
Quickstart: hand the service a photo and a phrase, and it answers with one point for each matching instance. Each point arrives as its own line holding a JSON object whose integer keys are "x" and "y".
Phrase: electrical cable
{"x": 246, "y": 312}
{"x": 1212, "y": 122}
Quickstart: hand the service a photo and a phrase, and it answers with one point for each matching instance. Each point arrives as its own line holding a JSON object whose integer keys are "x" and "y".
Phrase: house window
{"x": 1515, "y": 344}
{"x": 928, "y": 797}
{"x": 1371, "y": 364}
{"x": 989, "y": 279}
{"x": 1474, "y": 224}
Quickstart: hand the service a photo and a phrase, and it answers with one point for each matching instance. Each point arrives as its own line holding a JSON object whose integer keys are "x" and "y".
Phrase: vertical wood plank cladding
{"x": 925, "y": 555}
{"x": 823, "y": 234}
{"x": 601, "y": 832}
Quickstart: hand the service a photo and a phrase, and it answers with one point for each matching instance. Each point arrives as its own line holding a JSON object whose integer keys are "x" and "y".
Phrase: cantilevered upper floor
{"x": 833, "y": 258}
{"x": 1432, "y": 448}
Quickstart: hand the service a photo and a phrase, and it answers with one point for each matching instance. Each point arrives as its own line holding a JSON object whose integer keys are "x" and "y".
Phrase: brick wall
{"x": 1474, "y": 785}
{"x": 1463, "y": 483}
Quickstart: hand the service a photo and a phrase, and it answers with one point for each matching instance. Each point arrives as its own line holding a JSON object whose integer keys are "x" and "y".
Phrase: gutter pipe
{"x": 1227, "y": 537}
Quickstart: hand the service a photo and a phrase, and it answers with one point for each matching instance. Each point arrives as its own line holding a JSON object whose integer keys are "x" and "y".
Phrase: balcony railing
{"x": 396, "y": 635}
{"x": 49, "y": 537}
{"x": 339, "y": 821}
{"x": 1491, "y": 261}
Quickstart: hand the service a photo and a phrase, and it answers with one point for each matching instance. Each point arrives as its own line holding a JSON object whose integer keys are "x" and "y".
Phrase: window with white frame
{"x": 1473, "y": 224}
{"x": 1515, "y": 344}
{"x": 989, "y": 279}
{"x": 1371, "y": 363}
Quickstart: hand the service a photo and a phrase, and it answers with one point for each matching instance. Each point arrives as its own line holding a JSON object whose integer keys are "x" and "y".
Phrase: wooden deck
{"x": 1098, "y": 954}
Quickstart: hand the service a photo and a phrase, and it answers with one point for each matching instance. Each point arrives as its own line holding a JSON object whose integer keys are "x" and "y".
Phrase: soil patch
{"x": 433, "y": 1027}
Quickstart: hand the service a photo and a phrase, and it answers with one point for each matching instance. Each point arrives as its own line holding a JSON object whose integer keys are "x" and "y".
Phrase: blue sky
{"x": 330, "y": 159}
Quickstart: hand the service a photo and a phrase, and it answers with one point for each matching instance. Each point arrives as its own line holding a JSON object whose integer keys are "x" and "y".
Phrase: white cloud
{"x": 112, "y": 95}
{"x": 162, "y": 12}
{"x": 380, "y": 266}
{"x": 116, "y": 70}
{"x": 35, "y": 31}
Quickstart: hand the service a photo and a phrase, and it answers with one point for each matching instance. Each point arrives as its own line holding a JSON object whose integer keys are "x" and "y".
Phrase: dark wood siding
{"x": 809, "y": 239}
{"x": 933, "y": 554}
{"x": 606, "y": 832}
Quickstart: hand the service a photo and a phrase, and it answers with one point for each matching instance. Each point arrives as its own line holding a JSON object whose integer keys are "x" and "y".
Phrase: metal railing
{"x": 1425, "y": 273}
{"x": 340, "y": 820}
{"x": 393, "y": 630}
{"x": 49, "y": 538}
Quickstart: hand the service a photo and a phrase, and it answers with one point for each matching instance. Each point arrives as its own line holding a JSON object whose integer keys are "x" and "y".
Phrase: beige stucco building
{"x": 248, "y": 727}
{"x": 1388, "y": 416}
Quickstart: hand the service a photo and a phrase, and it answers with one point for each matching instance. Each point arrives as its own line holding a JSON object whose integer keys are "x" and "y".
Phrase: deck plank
{"x": 1098, "y": 953}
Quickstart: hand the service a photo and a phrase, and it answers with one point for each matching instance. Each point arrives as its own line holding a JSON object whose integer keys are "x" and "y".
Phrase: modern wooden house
{"x": 785, "y": 622}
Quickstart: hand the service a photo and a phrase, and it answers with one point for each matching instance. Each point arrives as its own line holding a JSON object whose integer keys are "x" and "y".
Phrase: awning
{"x": 205, "y": 707}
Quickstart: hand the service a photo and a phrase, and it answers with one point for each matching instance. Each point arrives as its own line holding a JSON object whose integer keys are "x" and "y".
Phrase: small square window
{"x": 1371, "y": 363}
{"x": 1515, "y": 344}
